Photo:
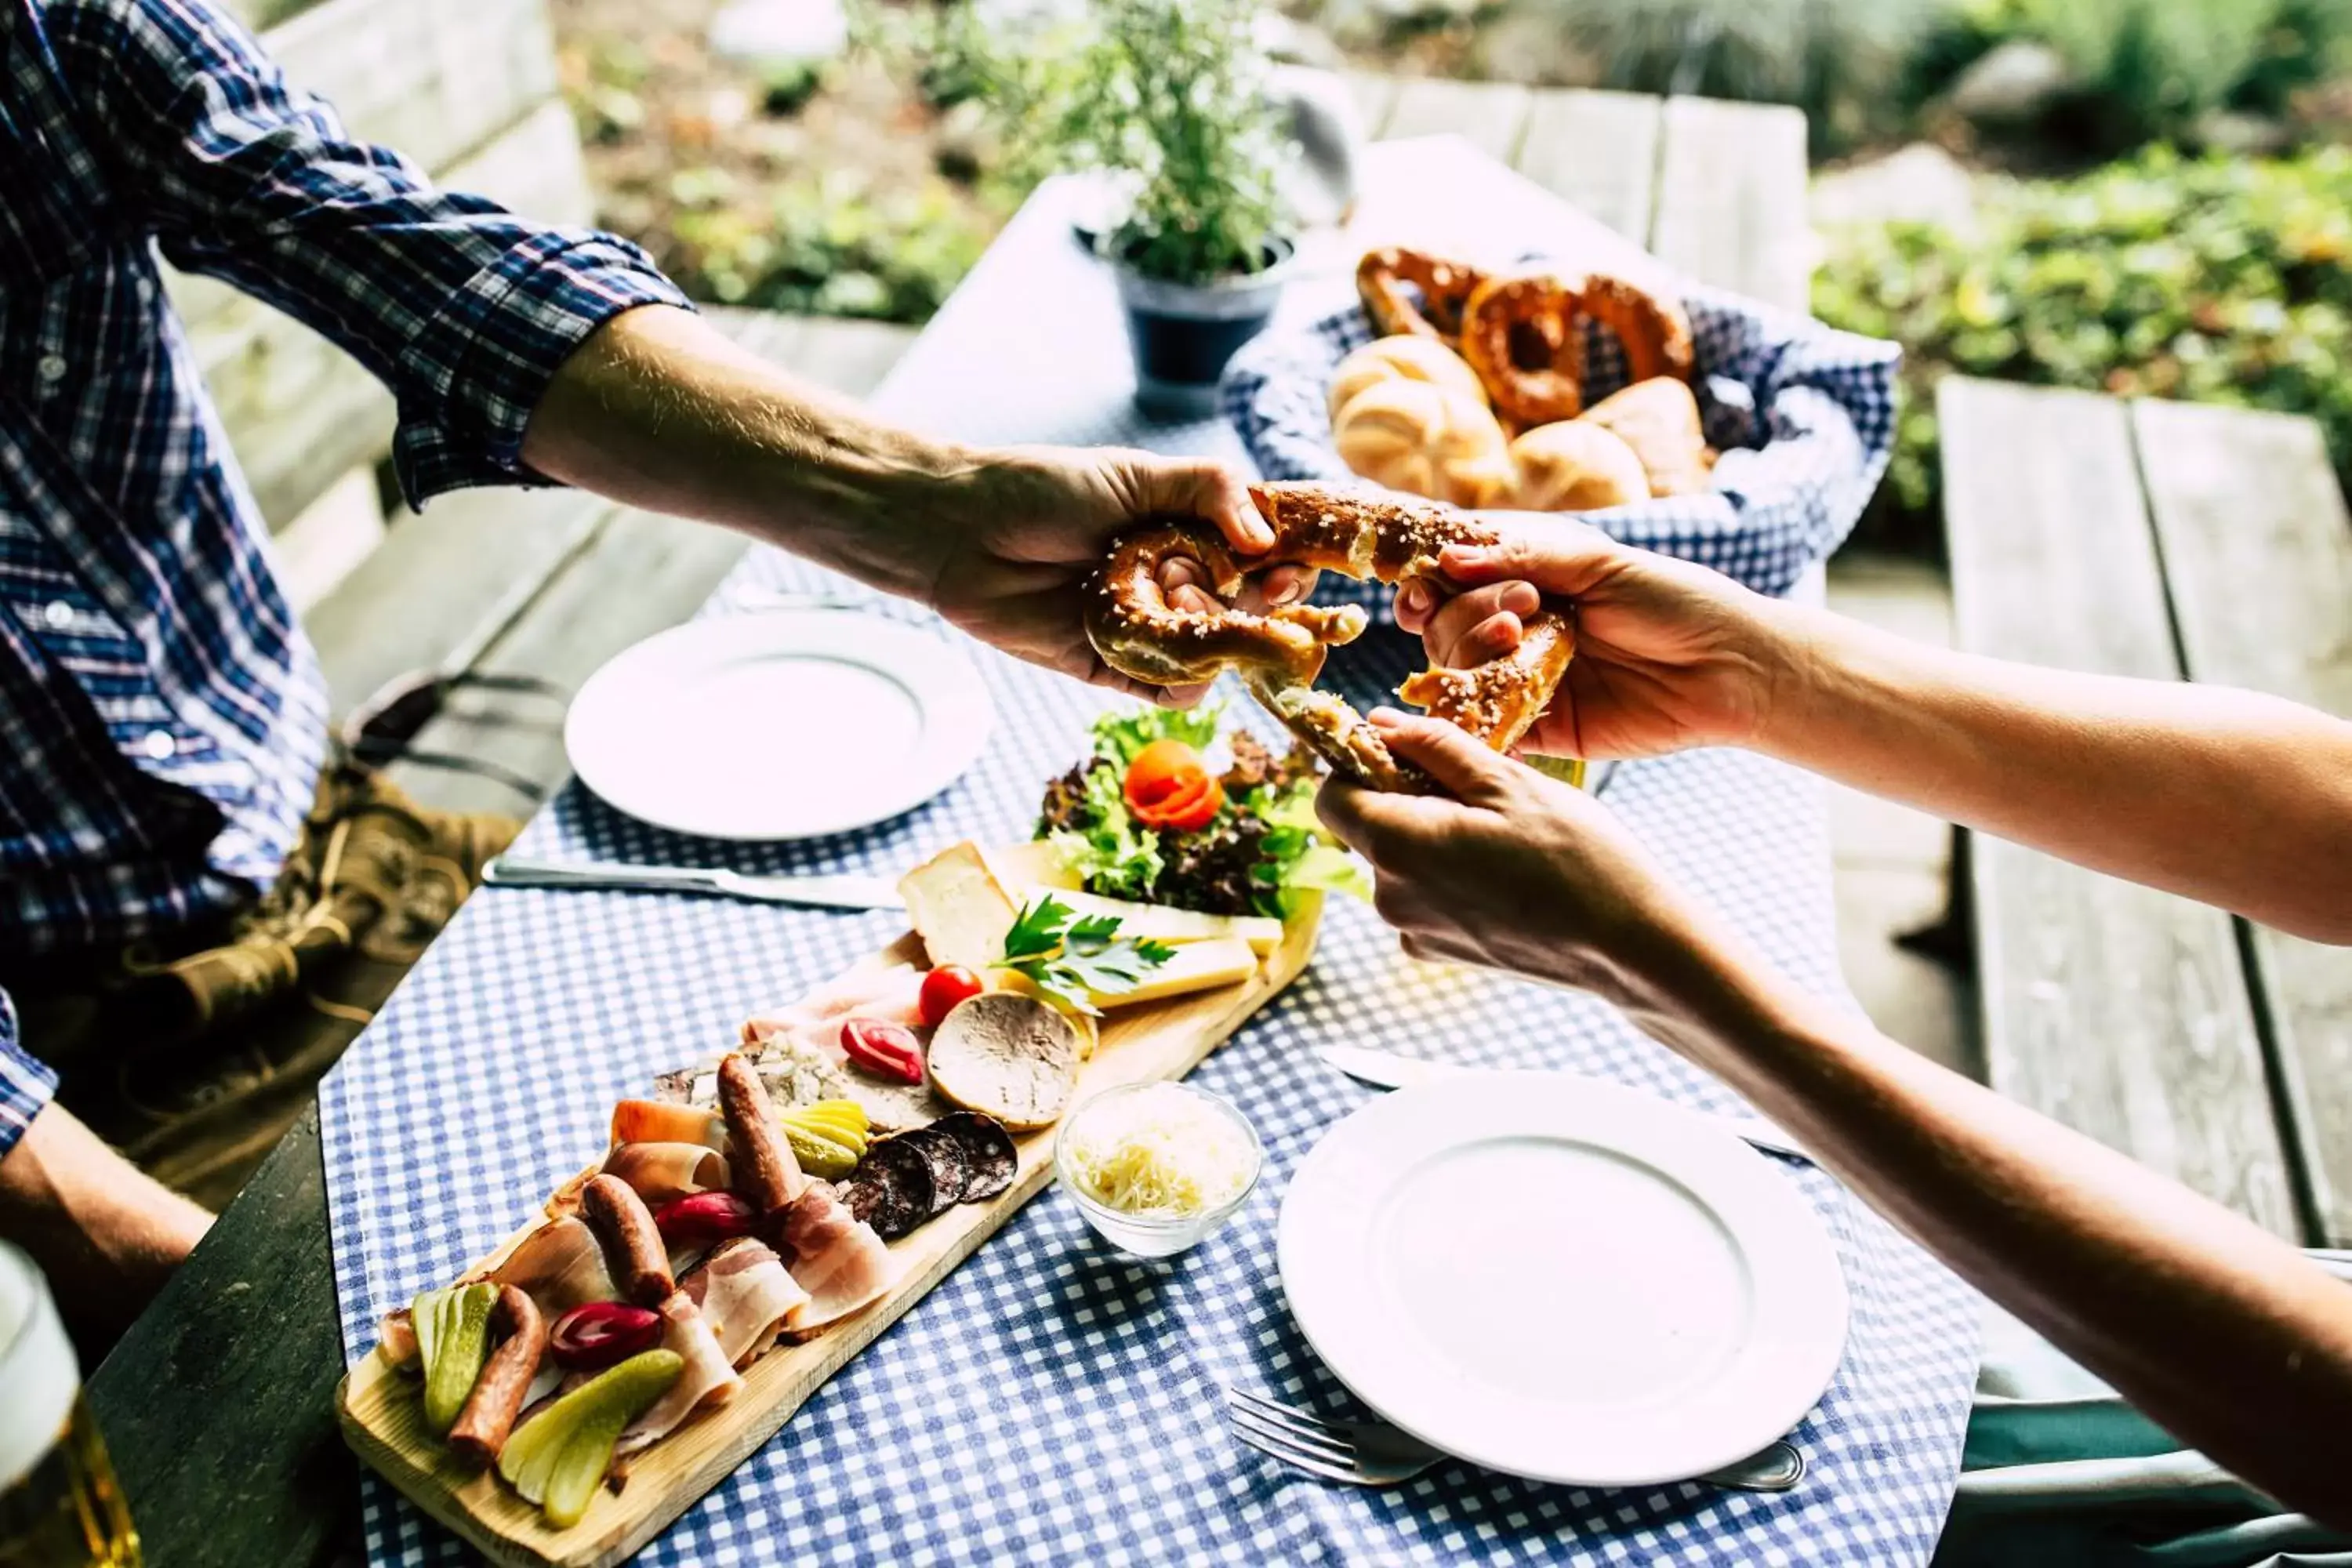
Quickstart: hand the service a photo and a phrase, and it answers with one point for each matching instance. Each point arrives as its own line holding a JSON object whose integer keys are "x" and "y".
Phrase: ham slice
{"x": 836, "y": 1259}
{"x": 708, "y": 1379}
{"x": 663, "y": 1172}
{"x": 745, "y": 1295}
{"x": 657, "y": 1172}
{"x": 395, "y": 1336}
{"x": 892, "y": 994}
{"x": 665, "y": 1122}
{"x": 559, "y": 1266}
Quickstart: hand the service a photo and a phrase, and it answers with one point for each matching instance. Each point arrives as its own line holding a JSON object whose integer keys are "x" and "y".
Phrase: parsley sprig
{"x": 1066, "y": 957}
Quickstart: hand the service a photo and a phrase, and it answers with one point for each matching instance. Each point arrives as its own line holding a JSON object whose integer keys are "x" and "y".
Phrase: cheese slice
{"x": 1197, "y": 966}
{"x": 1163, "y": 922}
{"x": 1034, "y": 865}
{"x": 959, "y": 908}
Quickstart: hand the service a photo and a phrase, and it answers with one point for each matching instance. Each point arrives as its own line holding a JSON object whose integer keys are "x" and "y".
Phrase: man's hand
{"x": 1039, "y": 519}
{"x": 1668, "y": 654}
{"x": 1514, "y": 871}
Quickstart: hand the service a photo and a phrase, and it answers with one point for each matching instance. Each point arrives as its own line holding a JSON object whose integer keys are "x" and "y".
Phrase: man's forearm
{"x": 2225, "y": 796}
{"x": 660, "y": 410}
{"x": 2219, "y": 1331}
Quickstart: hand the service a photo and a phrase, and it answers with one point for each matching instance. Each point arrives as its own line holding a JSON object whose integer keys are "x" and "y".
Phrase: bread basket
{"x": 1803, "y": 416}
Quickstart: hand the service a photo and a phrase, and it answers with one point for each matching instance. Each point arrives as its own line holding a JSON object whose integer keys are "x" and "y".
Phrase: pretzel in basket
{"x": 1524, "y": 337}
{"x": 1445, "y": 286}
{"x": 1390, "y": 538}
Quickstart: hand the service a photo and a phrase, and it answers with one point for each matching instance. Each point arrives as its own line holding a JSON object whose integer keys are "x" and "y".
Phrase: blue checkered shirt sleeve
{"x": 25, "y": 1084}
{"x": 463, "y": 309}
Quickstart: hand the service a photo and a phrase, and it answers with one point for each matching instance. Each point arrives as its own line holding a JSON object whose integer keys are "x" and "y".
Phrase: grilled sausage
{"x": 766, "y": 1174}
{"x": 634, "y": 1248}
{"x": 490, "y": 1409}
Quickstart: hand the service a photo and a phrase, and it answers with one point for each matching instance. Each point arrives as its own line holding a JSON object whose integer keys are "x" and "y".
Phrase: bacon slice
{"x": 663, "y": 1172}
{"x": 559, "y": 1266}
{"x": 745, "y": 1295}
{"x": 708, "y": 1379}
{"x": 836, "y": 1259}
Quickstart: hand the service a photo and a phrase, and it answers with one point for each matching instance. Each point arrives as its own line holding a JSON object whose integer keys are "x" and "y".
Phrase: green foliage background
{"x": 2216, "y": 280}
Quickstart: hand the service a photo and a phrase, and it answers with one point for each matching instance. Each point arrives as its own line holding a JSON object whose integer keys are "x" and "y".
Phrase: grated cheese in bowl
{"x": 1156, "y": 1167}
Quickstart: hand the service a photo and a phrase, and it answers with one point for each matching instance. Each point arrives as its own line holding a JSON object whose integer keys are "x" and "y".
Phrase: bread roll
{"x": 1659, "y": 419}
{"x": 1426, "y": 440}
{"x": 1573, "y": 466}
{"x": 1401, "y": 359}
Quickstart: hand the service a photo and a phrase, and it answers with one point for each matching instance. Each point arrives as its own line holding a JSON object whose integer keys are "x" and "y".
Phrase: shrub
{"x": 1170, "y": 93}
{"x": 1836, "y": 60}
{"x": 2212, "y": 280}
{"x": 2148, "y": 69}
{"x": 828, "y": 247}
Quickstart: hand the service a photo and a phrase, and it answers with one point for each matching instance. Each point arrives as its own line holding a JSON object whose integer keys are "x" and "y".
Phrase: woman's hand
{"x": 1668, "y": 653}
{"x": 1039, "y": 522}
{"x": 1514, "y": 871}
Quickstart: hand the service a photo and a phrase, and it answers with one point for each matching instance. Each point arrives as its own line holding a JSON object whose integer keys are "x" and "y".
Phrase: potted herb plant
{"x": 1171, "y": 99}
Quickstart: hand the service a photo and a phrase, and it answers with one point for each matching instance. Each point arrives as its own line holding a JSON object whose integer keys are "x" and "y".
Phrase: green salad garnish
{"x": 1263, "y": 847}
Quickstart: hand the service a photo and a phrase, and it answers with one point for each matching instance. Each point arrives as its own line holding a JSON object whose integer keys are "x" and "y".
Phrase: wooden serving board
{"x": 382, "y": 1413}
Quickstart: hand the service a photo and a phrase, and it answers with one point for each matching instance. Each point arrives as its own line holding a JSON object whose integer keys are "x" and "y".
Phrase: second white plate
{"x": 1562, "y": 1279}
{"x": 782, "y": 725}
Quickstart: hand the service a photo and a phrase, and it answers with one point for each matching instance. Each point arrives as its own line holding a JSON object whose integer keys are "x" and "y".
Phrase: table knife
{"x": 838, "y": 891}
{"x": 1386, "y": 1069}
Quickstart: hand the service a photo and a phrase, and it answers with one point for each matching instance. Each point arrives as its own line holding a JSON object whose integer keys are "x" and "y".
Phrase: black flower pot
{"x": 1182, "y": 333}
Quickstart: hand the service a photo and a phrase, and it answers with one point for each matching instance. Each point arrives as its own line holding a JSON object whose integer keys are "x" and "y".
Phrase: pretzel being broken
{"x": 1279, "y": 653}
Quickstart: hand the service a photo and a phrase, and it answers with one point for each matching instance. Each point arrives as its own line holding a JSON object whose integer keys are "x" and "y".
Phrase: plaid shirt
{"x": 162, "y": 717}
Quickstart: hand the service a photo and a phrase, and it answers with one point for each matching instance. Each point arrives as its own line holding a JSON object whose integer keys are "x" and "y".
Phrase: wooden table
{"x": 2162, "y": 541}
{"x": 218, "y": 1403}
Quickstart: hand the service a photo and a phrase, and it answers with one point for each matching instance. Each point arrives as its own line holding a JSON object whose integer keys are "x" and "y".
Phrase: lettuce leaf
{"x": 1119, "y": 736}
{"x": 1111, "y": 855}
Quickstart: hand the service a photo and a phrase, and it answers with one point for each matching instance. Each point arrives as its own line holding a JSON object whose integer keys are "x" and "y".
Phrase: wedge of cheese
{"x": 1034, "y": 865}
{"x": 1196, "y": 966}
{"x": 1178, "y": 928}
{"x": 959, "y": 908}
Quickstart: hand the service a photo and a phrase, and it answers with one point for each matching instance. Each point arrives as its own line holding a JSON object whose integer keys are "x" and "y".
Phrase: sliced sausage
{"x": 634, "y": 1249}
{"x": 950, "y": 1171}
{"x": 891, "y": 1190}
{"x": 766, "y": 1174}
{"x": 988, "y": 1153}
{"x": 489, "y": 1411}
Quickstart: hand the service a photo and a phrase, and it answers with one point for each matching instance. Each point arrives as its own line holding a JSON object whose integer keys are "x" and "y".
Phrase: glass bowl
{"x": 1145, "y": 1235}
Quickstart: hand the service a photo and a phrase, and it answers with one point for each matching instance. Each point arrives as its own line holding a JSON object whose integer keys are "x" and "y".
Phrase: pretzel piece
{"x": 1361, "y": 535}
{"x": 1445, "y": 286}
{"x": 1520, "y": 337}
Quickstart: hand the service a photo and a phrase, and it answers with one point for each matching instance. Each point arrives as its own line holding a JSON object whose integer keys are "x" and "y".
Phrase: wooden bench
{"x": 2165, "y": 540}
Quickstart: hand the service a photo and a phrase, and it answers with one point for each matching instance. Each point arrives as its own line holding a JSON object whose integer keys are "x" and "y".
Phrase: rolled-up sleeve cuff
{"x": 488, "y": 356}
{"x": 26, "y": 1085}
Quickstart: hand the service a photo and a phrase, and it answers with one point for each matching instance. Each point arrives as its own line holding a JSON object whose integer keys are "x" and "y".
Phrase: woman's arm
{"x": 2229, "y": 796}
{"x": 2223, "y": 1334}
{"x": 2224, "y": 796}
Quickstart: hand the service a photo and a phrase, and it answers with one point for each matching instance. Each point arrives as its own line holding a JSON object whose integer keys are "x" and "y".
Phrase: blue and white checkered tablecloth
{"x": 1051, "y": 1401}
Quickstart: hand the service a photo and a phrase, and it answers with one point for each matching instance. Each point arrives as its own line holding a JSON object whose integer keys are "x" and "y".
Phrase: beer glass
{"x": 60, "y": 1504}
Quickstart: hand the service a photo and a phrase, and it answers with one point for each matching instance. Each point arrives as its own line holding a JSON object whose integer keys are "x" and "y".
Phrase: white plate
{"x": 1562, "y": 1279}
{"x": 782, "y": 725}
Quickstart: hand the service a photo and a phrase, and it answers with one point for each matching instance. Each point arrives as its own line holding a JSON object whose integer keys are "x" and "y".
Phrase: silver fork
{"x": 1375, "y": 1454}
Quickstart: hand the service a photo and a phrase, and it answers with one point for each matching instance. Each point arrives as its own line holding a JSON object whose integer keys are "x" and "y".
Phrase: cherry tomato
{"x": 598, "y": 1334}
{"x": 1168, "y": 786}
{"x": 944, "y": 987}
